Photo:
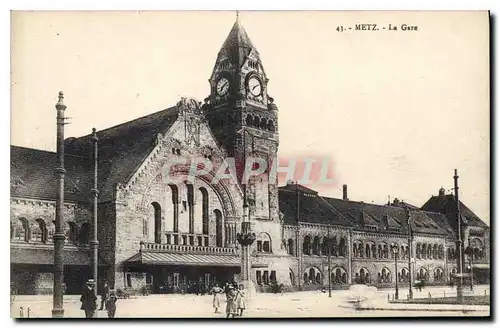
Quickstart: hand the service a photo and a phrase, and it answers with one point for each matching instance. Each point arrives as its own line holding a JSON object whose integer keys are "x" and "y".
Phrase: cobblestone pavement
{"x": 297, "y": 304}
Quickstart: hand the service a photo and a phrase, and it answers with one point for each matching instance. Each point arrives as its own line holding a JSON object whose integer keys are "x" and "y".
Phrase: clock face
{"x": 222, "y": 87}
{"x": 254, "y": 86}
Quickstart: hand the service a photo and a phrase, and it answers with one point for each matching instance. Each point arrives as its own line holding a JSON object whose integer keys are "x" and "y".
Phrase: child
{"x": 111, "y": 304}
{"x": 240, "y": 300}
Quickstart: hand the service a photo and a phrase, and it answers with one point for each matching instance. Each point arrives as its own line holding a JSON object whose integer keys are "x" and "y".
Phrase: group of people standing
{"x": 89, "y": 300}
{"x": 235, "y": 299}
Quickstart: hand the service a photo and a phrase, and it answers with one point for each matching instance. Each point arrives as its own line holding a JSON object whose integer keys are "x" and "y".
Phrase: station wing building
{"x": 173, "y": 234}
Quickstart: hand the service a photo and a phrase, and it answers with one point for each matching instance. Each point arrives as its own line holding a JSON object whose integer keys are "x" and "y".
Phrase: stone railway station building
{"x": 169, "y": 235}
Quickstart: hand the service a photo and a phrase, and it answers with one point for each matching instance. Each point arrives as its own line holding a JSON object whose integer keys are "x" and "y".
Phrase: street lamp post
{"x": 395, "y": 251}
{"x": 459, "y": 245}
{"x": 329, "y": 252}
{"x": 246, "y": 237}
{"x": 94, "y": 243}
{"x": 410, "y": 251}
{"x": 470, "y": 253}
{"x": 57, "y": 306}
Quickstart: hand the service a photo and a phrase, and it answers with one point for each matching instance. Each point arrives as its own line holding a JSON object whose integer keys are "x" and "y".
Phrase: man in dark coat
{"x": 88, "y": 299}
{"x": 104, "y": 295}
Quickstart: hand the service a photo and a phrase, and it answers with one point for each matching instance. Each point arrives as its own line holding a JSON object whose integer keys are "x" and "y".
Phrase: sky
{"x": 396, "y": 111}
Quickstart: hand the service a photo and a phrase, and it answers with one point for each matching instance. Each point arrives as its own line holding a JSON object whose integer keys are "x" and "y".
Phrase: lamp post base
{"x": 57, "y": 313}
{"x": 250, "y": 291}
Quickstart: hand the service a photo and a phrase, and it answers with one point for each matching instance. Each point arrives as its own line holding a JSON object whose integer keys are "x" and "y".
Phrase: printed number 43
{"x": 340, "y": 28}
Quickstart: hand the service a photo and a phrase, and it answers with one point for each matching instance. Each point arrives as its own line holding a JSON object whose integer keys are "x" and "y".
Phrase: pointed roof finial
{"x": 60, "y": 104}
{"x": 237, "y": 15}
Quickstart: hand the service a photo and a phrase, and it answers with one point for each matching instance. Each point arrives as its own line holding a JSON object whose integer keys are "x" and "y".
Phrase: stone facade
{"x": 162, "y": 227}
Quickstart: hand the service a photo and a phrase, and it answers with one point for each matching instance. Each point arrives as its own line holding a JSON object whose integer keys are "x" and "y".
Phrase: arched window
{"x": 342, "y": 247}
{"x": 263, "y": 123}
{"x": 175, "y": 204}
{"x": 334, "y": 249}
{"x": 218, "y": 228}
{"x": 419, "y": 251}
{"x": 355, "y": 249}
{"x": 290, "y": 246}
{"x": 39, "y": 231}
{"x": 256, "y": 121}
{"x": 373, "y": 250}
{"x": 204, "y": 210}
{"x": 429, "y": 251}
{"x": 441, "y": 252}
{"x": 404, "y": 276}
{"x": 306, "y": 278}
{"x": 157, "y": 218}
{"x": 292, "y": 277}
{"x": 190, "y": 201}
{"x": 270, "y": 126}
{"x": 324, "y": 246}
{"x": 379, "y": 252}
{"x": 312, "y": 275}
{"x": 249, "y": 120}
{"x": 264, "y": 243}
{"x": 306, "y": 246}
{"x": 385, "y": 276}
{"x": 422, "y": 274}
{"x": 368, "y": 252}
{"x": 439, "y": 275}
{"x": 385, "y": 251}
{"x": 318, "y": 278}
{"x": 71, "y": 233}
{"x": 315, "y": 246}
{"x": 21, "y": 230}
{"x": 363, "y": 276}
{"x": 339, "y": 276}
{"x": 424, "y": 251}
{"x": 83, "y": 236}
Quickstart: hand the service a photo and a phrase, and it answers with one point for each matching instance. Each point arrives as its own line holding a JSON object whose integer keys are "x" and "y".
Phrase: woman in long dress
{"x": 231, "y": 309}
{"x": 216, "y": 291}
{"x": 240, "y": 300}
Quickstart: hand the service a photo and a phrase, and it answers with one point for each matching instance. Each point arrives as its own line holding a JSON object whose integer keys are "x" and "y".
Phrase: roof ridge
{"x": 125, "y": 123}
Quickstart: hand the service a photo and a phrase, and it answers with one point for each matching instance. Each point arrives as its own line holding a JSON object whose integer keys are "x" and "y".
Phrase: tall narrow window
{"x": 83, "y": 236}
{"x": 190, "y": 204}
{"x": 71, "y": 234}
{"x": 259, "y": 277}
{"x": 175, "y": 204}
{"x": 290, "y": 246}
{"x": 306, "y": 246}
{"x": 342, "y": 247}
{"x": 21, "y": 232}
{"x": 218, "y": 228}
{"x": 204, "y": 210}
{"x": 39, "y": 232}
{"x": 157, "y": 211}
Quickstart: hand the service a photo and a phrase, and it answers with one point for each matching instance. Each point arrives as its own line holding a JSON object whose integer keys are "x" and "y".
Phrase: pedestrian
{"x": 216, "y": 291}
{"x": 104, "y": 295}
{"x": 240, "y": 300}
{"x": 111, "y": 304}
{"x": 231, "y": 310}
{"x": 226, "y": 290}
{"x": 88, "y": 299}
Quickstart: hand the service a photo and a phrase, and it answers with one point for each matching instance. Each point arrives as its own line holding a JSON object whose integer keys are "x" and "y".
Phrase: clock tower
{"x": 243, "y": 116}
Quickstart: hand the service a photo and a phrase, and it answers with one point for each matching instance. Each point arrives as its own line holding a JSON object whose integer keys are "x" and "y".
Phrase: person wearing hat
{"x": 88, "y": 299}
{"x": 111, "y": 303}
{"x": 231, "y": 309}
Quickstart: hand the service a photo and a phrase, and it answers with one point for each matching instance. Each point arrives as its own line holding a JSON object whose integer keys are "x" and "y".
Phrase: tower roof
{"x": 237, "y": 45}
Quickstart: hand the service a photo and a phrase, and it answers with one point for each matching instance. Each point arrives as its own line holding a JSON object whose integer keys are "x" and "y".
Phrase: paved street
{"x": 298, "y": 304}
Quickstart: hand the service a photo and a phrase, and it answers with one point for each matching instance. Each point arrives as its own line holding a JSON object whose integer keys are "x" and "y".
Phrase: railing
{"x": 153, "y": 247}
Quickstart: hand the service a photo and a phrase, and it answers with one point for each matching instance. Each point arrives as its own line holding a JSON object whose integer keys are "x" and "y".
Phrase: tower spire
{"x": 237, "y": 15}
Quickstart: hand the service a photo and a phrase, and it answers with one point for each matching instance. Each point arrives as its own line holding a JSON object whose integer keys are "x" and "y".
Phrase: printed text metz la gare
{"x": 377, "y": 27}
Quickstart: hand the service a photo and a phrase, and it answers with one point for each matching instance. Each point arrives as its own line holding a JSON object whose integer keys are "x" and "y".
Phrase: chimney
{"x": 441, "y": 191}
{"x": 344, "y": 192}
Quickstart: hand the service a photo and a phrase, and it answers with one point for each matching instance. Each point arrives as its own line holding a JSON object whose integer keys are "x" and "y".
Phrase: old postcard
{"x": 169, "y": 164}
